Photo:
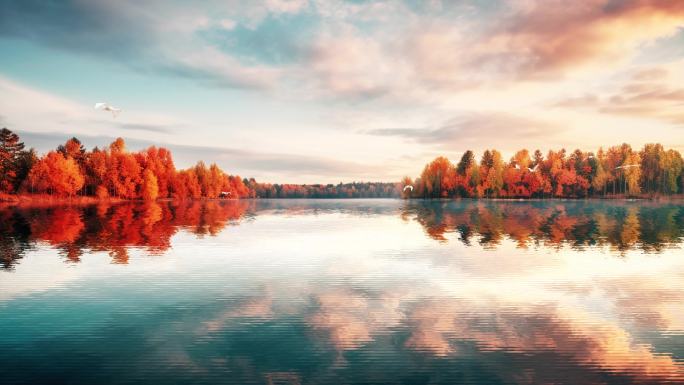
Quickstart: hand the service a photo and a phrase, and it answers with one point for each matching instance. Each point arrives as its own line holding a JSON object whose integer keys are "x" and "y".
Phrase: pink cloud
{"x": 549, "y": 37}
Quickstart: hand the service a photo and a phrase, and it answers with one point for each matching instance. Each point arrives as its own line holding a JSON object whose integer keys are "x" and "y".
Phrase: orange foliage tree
{"x": 55, "y": 174}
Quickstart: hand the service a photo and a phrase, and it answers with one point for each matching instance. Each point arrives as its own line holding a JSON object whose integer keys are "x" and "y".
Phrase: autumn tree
{"x": 464, "y": 171}
{"x": 672, "y": 166}
{"x": 632, "y": 173}
{"x": 521, "y": 159}
{"x": 493, "y": 180}
{"x": 439, "y": 178}
{"x": 123, "y": 171}
{"x": 160, "y": 162}
{"x": 601, "y": 175}
{"x": 150, "y": 188}
{"x": 25, "y": 162}
{"x": 55, "y": 174}
{"x": 10, "y": 151}
{"x": 186, "y": 185}
{"x": 97, "y": 173}
{"x": 73, "y": 149}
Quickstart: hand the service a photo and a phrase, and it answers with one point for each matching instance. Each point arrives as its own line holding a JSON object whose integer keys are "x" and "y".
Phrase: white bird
{"x": 408, "y": 187}
{"x": 517, "y": 167}
{"x": 106, "y": 107}
{"x": 533, "y": 169}
{"x": 627, "y": 166}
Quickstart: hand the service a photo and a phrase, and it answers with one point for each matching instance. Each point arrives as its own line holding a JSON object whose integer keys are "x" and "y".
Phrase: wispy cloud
{"x": 145, "y": 127}
{"x": 648, "y": 94}
{"x": 144, "y": 36}
{"x": 549, "y": 37}
{"x": 480, "y": 131}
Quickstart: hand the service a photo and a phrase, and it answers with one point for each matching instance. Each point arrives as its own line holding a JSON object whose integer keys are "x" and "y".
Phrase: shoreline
{"x": 47, "y": 200}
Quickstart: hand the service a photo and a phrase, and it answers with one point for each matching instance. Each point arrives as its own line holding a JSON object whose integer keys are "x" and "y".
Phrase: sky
{"x": 323, "y": 91}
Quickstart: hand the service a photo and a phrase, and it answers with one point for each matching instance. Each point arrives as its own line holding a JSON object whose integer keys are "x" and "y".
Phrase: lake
{"x": 343, "y": 292}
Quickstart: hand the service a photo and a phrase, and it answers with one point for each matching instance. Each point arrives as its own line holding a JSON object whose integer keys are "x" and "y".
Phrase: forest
{"x": 115, "y": 173}
{"x": 617, "y": 171}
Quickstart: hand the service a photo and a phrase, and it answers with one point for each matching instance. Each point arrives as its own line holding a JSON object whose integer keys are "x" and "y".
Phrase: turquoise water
{"x": 343, "y": 292}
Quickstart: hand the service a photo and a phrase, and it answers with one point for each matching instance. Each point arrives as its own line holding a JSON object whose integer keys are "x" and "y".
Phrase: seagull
{"x": 533, "y": 169}
{"x": 107, "y": 107}
{"x": 408, "y": 187}
{"x": 627, "y": 166}
{"x": 517, "y": 167}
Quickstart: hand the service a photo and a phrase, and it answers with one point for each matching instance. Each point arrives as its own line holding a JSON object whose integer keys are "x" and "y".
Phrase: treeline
{"x": 619, "y": 170}
{"x": 113, "y": 172}
{"x": 341, "y": 190}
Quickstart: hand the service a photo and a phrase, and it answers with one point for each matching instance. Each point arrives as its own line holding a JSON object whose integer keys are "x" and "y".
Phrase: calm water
{"x": 343, "y": 292}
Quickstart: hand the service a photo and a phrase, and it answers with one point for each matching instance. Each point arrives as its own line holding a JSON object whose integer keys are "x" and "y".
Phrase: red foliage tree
{"x": 55, "y": 174}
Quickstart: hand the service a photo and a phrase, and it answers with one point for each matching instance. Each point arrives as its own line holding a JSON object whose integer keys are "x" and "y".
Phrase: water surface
{"x": 343, "y": 292}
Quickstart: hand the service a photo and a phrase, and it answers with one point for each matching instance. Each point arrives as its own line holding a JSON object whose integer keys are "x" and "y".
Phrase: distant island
{"x": 113, "y": 173}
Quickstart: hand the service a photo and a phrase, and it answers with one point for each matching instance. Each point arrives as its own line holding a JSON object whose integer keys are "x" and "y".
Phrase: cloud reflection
{"x": 344, "y": 291}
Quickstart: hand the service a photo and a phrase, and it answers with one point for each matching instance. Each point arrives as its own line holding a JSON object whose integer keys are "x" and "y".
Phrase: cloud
{"x": 352, "y": 66}
{"x": 286, "y": 6}
{"x": 145, "y": 127}
{"x": 211, "y": 67}
{"x": 582, "y": 342}
{"x": 648, "y": 302}
{"x": 578, "y": 101}
{"x": 650, "y": 74}
{"x": 145, "y": 37}
{"x": 538, "y": 41}
{"x": 350, "y": 50}
{"x": 479, "y": 131}
{"x": 648, "y": 93}
{"x": 349, "y": 319}
{"x": 255, "y": 307}
{"x": 550, "y": 37}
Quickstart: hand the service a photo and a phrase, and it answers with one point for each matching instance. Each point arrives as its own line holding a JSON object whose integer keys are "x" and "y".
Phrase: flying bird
{"x": 106, "y": 107}
{"x": 408, "y": 187}
{"x": 627, "y": 166}
{"x": 517, "y": 167}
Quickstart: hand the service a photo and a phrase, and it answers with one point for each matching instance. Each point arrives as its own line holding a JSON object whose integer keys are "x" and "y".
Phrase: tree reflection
{"x": 115, "y": 228}
{"x": 648, "y": 227}
{"x": 110, "y": 228}
{"x": 14, "y": 237}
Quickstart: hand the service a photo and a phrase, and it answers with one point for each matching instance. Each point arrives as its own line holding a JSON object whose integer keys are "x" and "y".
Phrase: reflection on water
{"x": 337, "y": 292}
{"x": 111, "y": 228}
{"x": 647, "y": 226}
{"x": 114, "y": 228}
